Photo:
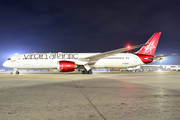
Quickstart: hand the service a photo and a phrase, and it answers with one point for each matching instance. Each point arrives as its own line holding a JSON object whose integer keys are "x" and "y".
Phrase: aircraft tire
{"x": 87, "y": 72}
{"x": 90, "y": 71}
{"x": 17, "y": 72}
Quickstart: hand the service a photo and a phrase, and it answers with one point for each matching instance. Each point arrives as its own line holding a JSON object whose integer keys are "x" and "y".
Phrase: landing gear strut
{"x": 87, "y": 69}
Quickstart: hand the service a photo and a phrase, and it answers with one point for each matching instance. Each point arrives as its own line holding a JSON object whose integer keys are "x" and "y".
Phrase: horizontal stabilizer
{"x": 160, "y": 57}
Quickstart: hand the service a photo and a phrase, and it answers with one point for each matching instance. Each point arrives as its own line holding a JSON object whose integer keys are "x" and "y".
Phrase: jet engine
{"x": 66, "y": 66}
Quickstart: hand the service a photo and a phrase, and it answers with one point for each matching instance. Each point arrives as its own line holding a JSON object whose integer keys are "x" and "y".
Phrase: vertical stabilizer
{"x": 150, "y": 48}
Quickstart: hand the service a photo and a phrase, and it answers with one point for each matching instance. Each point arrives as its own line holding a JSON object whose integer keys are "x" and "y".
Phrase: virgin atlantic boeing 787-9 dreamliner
{"x": 66, "y": 62}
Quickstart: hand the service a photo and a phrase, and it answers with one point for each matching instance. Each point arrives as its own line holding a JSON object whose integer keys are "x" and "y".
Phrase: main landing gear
{"x": 86, "y": 69}
{"x": 87, "y": 72}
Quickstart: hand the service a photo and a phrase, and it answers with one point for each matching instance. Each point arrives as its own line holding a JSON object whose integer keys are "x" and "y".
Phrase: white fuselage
{"x": 49, "y": 60}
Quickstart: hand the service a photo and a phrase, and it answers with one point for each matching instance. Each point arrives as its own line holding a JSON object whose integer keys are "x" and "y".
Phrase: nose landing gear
{"x": 15, "y": 69}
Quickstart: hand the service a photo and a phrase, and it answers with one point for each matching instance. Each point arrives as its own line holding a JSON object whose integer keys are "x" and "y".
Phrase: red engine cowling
{"x": 66, "y": 66}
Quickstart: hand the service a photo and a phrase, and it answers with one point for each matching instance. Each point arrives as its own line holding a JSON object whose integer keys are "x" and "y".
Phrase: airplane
{"x": 67, "y": 62}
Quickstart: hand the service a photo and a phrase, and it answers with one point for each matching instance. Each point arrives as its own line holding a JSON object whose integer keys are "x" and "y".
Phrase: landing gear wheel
{"x": 87, "y": 72}
{"x": 84, "y": 72}
{"x": 90, "y": 71}
{"x": 17, "y": 72}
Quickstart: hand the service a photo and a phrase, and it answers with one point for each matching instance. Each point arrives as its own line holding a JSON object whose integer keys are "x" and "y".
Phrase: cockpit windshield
{"x": 9, "y": 59}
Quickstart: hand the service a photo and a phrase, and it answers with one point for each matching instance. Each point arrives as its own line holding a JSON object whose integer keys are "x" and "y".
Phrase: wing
{"x": 160, "y": 57}
{"x": 94, "y": 58}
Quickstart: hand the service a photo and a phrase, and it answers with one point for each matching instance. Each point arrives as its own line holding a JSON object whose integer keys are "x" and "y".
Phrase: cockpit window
{"x": 9, "y": 59}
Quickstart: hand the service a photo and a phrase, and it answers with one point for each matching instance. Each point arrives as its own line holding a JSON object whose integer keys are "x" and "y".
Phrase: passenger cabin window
{"x": 9, "y": 59}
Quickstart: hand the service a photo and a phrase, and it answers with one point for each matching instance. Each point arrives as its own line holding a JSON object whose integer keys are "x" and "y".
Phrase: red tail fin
{"x": 150, "y": 48}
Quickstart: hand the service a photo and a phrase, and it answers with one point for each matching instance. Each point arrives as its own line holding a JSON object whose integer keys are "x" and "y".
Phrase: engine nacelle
{"x": 66, "y": 66}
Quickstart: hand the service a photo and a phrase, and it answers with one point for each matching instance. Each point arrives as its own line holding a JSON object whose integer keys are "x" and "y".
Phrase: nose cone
{"x": 5, "y": 64}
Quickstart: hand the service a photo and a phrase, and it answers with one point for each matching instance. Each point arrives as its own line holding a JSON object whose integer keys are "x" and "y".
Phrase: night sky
{"x": 41, "y": 26}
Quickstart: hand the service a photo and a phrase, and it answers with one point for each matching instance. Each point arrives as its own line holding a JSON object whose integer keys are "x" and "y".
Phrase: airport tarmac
{"x": 100, "y": 96}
